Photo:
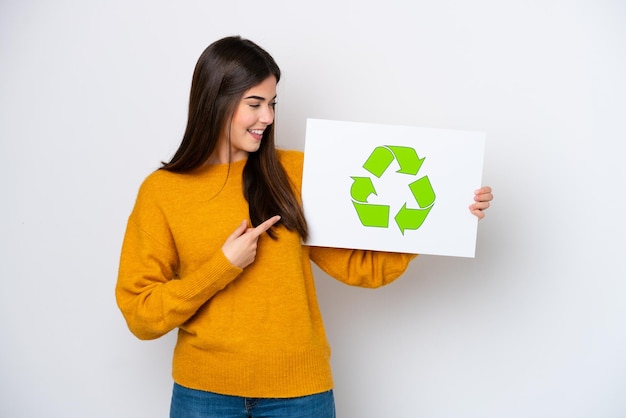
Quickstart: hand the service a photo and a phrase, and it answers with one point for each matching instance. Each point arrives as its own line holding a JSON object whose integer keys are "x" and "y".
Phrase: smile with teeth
{"x": 257, "y": 133}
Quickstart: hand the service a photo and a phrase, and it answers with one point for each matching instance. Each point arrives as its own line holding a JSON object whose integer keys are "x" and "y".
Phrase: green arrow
{"x": 362, "y": 188}
{"x": 372, "y": 215}
{"x": 410, "y": 218}
{"x": 423, "y": 192}
{"x": 378, "y": 161}
{"x": 407, "y": 158}
{"x": 378, "y": 215}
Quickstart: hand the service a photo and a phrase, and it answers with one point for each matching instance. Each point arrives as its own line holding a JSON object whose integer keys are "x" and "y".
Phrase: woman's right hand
{"x": 240, "y": 247}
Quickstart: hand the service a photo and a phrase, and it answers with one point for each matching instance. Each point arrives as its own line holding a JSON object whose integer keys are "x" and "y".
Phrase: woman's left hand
{"x": 482, "y": 197}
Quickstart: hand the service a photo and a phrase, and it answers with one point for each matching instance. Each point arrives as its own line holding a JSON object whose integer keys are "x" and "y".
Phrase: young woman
{"x": 213, "y": 247}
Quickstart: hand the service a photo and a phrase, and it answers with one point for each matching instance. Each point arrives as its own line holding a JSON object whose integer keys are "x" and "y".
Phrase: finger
{"x": 480, "y": 206}
{"x": 485, "y": 197}
{"x": 241, "y": 229}
{"x": 477, "y": 212}
{"x": 483, "y": 190}
{"x": 266, "y": 225}
{"x": 484, "y": 194}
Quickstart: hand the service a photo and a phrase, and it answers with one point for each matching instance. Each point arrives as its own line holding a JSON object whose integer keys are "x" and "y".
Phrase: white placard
{"x": 391, "y": 188}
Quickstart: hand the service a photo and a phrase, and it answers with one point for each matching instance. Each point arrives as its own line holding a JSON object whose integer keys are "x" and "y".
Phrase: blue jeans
{"x": 192, "y": 403}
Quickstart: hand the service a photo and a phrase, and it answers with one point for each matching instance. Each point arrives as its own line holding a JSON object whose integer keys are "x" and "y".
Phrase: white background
{"x": 93, "y": 96}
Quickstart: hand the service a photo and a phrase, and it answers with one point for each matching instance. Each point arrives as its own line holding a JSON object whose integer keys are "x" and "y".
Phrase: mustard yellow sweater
{"x": 255, "y": 332}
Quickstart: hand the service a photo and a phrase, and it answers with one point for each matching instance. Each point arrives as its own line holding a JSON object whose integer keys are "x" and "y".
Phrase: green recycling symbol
{"x": 377, "y": 215}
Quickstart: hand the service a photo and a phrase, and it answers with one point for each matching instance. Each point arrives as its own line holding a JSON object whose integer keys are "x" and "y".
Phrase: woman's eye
{"x": 257, "y": 105}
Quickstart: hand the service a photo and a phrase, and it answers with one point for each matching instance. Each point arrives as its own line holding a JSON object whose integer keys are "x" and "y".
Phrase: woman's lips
{"x": 256, "y": 133}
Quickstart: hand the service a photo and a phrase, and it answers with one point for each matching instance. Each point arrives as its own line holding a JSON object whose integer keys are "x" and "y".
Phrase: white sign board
{"x": 391, "y": 188}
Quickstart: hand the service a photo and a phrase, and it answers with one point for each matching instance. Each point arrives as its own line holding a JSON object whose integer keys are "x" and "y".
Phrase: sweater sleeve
{"x": 151, "y": 295}
{"x": 361, "y": 268}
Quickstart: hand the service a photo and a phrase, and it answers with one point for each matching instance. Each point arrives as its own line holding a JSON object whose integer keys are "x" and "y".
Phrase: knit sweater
{"x": 253, "y": 332}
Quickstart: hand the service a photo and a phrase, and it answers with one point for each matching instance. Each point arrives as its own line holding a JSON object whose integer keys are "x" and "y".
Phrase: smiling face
{"x": 253, "y": 114}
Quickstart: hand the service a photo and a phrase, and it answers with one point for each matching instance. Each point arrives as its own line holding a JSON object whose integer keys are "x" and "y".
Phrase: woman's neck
{"x": 223, "y": 156}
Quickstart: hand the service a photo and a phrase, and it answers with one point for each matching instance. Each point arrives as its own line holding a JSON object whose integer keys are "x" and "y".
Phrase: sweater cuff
{"x": 211, "y": 277}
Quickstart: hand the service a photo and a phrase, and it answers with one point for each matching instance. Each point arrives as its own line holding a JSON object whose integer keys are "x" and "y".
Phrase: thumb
{"x": 241, "y": 229}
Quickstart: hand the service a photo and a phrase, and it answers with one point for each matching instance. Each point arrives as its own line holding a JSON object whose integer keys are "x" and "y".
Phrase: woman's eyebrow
{"x": 257, "y": 98}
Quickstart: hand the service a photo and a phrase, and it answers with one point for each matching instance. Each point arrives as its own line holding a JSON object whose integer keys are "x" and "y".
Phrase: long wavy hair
{"x": 224, "y": 72}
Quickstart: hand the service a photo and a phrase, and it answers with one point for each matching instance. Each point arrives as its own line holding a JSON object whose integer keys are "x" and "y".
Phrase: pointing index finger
{"x": 266, "y": 225}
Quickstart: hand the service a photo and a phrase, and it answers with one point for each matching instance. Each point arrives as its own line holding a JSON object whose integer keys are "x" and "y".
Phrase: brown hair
{"x": 224, "y": 72}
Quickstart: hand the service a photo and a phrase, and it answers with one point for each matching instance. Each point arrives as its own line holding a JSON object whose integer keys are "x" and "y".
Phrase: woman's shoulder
{"x": 291, "y": 159}
{"x": 163, "y": 185}
{"x": 159, "y": 178}
{"x": 293, "y": 162}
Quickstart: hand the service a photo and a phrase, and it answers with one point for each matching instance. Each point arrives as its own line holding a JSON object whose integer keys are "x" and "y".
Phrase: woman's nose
{"x": 267, "y": 116}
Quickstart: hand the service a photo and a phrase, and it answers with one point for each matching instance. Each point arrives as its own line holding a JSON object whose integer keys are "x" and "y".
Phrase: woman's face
{"x": 254, "y": 113}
